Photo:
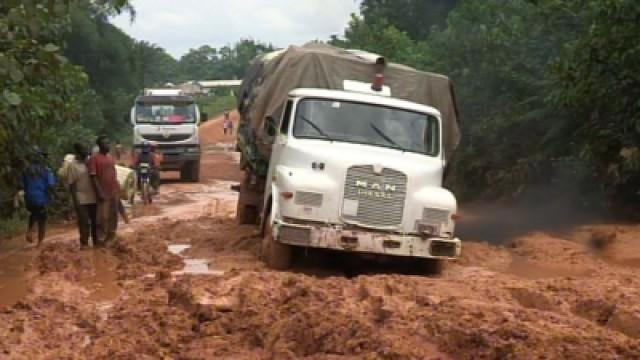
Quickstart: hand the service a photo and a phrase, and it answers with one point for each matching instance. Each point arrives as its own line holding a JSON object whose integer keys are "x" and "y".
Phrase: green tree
{"x": 416, "y": 18}
{"x": 107, "y": 56}
{"x": 228, "y": 62}
{"x": 383, "y": 38}
{"x": 42, "y": 91}
{"x": 199, "y": 64}
{"x": 154, "y": 65}
{"x": 599, "y": 84}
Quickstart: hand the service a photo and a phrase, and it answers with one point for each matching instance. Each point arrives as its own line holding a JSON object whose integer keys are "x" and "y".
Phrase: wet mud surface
{"x": 537, "y": 295}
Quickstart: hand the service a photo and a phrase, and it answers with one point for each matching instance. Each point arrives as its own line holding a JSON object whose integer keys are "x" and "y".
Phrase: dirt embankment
{"x": 561, "y": 295}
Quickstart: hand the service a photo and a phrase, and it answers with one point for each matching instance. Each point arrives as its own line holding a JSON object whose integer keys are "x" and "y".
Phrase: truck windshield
{"x": 367, "y": 124}
{"x": 165, "y": 113}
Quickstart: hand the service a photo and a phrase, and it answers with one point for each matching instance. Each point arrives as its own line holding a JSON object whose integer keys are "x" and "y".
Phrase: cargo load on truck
{"x": 315, "y": 65}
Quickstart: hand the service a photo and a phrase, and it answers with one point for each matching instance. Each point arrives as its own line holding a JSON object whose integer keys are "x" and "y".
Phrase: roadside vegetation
{"x": 548, "y": 90}
{"x": 216, "y": 105}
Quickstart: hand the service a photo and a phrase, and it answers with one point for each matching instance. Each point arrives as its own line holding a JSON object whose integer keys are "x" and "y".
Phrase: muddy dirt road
{"x": 182, "y": 281}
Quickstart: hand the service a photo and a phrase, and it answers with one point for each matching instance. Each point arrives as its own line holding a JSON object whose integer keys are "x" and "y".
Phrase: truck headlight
{"x": 427, "y": 229}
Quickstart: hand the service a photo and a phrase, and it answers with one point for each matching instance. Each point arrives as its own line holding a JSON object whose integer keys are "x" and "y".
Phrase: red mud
{"x": 539, "y": 296}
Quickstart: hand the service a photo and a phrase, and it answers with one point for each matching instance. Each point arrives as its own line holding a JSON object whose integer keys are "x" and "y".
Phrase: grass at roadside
{"x": 215, "y": 105}
{"x": 13, "y": 225}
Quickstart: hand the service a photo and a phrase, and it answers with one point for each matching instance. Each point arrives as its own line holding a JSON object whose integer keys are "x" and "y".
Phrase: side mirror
{"x": 204, "y": 116}
{"x": 270, "y": 125}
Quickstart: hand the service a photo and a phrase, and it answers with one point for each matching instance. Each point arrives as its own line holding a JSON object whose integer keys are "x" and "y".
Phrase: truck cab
{"x": 357, "y": 171}
{"x": 170, "y": 120}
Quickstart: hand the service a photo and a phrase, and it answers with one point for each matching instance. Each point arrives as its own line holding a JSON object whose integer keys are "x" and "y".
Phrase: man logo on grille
{"x": 374, "y": 189}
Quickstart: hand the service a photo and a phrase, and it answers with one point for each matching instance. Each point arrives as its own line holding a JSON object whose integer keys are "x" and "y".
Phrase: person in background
{"x": 227, "y": 126}
{"x": 157, "y": 160}
{"x": 75, "y": 174}
{"x": 103, "y": 174}
{"x": 37, "y": 181}
{"x": 148, "y": 155}
{"x": 117, "y": 151}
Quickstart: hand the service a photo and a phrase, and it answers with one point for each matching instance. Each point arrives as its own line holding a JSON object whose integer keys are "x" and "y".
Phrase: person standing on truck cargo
{"x": 37, "y": 181}
{"x": 75, "y": 174}
{"x": 105, "y": 183}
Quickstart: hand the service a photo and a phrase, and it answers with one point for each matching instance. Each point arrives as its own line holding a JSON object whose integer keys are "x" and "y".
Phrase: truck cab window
{"x": 368, "y": 124}
{"x": 286, "y": 117}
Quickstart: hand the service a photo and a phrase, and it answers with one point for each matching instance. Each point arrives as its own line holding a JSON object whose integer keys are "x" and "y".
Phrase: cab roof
{"x": 363, "y": 98}
{"x": 164, "y": 99}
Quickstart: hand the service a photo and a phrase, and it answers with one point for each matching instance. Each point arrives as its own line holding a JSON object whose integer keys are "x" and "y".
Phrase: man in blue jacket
{"x": 37, "y": 180}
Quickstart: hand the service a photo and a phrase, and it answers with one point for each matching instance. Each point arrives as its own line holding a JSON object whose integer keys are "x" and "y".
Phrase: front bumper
{"x": 171, "y": 161}
{"x": 175, "y": 157}
{"x": 328, "y": 237}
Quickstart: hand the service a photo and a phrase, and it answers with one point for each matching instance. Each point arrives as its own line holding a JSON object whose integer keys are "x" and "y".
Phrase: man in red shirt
{"x": 105, "y": 182}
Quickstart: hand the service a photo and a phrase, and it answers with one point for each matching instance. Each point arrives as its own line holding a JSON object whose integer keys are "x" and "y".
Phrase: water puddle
{"x": 177, "y": 249}
{"x": 103, "y": 284}
{"x": 192, "y": 266}
{"x": 16, "y": 275}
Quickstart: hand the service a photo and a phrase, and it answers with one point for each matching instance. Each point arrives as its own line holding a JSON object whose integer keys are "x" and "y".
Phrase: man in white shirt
{"x": 75, "y": 175}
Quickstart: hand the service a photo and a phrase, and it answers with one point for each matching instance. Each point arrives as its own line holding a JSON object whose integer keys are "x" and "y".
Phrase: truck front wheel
{"x": 430, "y": 267}
{"x": 195, "y": 171}
{"x": 190, "y": 171}
{"x": 275, "y": 254}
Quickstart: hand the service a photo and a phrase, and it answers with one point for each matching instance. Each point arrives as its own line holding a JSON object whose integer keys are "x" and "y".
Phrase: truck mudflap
{"x": 327, "y": 237}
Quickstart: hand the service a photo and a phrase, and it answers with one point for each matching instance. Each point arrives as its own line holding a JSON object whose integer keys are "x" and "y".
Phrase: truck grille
{"x": 435, "y": 216}
{"x": 306, "y": 198}
{"x": 379, "y": 199}
{"x": 169, "y": 138}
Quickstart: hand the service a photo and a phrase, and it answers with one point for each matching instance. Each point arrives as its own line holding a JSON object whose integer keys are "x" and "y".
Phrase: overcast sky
{"x": 179, "y": 25}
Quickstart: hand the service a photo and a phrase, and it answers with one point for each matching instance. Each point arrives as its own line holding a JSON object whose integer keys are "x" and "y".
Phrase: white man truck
{"x": 344, "y": 151}
{"x": 169, "y": 119}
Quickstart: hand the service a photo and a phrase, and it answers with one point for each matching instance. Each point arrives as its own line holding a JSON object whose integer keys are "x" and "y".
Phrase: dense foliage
{"x": 41, "y": 89}
{"x": 67, "y": 75}
{"x": 117, "y": 67}
{"x": 228, "y": 62}
{"x": 547, "y": 89}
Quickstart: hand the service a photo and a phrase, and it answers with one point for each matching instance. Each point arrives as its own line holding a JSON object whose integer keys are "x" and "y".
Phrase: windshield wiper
{"x": 386, "y": 138}
{"x": 316, "y": 128}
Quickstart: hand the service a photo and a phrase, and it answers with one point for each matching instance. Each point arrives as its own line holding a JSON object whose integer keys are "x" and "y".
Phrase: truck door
{"x": 279, "y": 142}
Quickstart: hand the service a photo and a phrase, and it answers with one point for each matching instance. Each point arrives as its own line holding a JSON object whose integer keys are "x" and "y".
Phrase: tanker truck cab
{"x": 170, "y": 120}
{"x": 360, "y": 172}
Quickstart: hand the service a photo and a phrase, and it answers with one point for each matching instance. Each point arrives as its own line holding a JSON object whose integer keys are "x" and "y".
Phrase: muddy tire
{"x": 185, "y": 173}
{"x": 146, "y": 193}
{"x": 276, "y": 255}
{"x": 190, "y": 172}
{"x": 431, "y": 267}
{"x": 195, "y": 172}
